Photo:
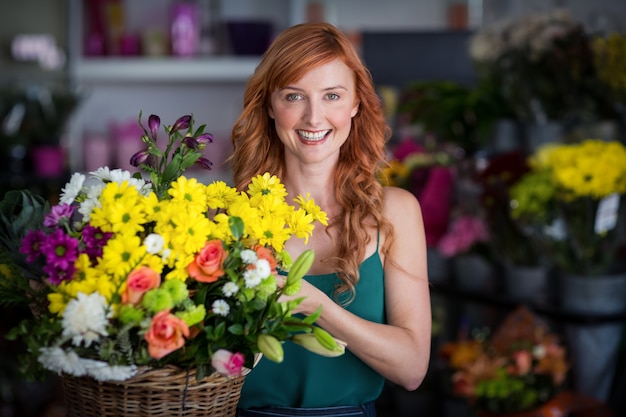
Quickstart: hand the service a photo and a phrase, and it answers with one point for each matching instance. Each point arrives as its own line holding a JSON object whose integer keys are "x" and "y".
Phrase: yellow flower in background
{"x": 569, "y": 203}
{"x": 396, "y": 174}
{"x": 593, "y": 168}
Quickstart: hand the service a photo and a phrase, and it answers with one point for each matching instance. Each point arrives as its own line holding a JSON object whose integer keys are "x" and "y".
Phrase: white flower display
{"x": 58, "y": 360}
{"x": 85, "y": 318}
{"x": 229, "y": 289}
{"x": 221, "y": 308}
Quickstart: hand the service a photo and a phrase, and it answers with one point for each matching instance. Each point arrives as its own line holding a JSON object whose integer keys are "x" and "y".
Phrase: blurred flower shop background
{"x": 509, "y": 122}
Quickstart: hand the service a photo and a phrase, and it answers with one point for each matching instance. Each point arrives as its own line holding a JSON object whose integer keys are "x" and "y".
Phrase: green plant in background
{"x": 19, "y": 211}
{"x": 454, "y": 113}
{"x": 569, "y": 203}
{"x": 36, "y": 115}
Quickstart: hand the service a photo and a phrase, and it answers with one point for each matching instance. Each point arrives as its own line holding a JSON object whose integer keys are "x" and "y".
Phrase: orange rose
{"x": 207, "y": 265}
{"x": 138, "y": 283}
{"x": 265, "y": 253}
{"x": 165, "y": 334}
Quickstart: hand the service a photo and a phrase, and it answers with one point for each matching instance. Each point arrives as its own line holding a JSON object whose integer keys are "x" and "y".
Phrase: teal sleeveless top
{"x": 305, "y": 379}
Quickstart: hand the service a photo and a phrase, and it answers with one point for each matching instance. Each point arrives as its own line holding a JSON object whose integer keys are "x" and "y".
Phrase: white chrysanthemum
{"x": 248, "y": 256}
{"x": 230, "y": 288}
{"x": 91, "y": 201}
{"x": 220, "y": 307}
{"x": 165, "y": 255}
{"x": 154, "y": 243}
{"x": 252, "y": 278}
{"x": 57, "y": 360}
{"x": 102, "y": 173}
{"x": 85, "y": 318}
{"x": 102, "y": 371}
{"x": 142, "y": 186}
{"x": 263, "y": 268}
{"x": 72, "y": 188}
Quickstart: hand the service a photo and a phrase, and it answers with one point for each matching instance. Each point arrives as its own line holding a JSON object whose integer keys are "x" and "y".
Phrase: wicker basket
{"x": 166, "y": 392}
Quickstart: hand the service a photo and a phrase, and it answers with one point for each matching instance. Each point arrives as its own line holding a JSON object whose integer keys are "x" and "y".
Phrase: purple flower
{"x": 58, "y": 214}
{"x": 154, "y": 122}
{"x": 464, "y": 233}
{"x": 95, "y": 239}
{"x": 205, "y": 138}
{"x": 191, "y": 142}
{"x": 204, "y": 163}
{"x": 139, "y": 157}
{"x": 31, "y": 244}
{"x": 56, "y": 275}
{"x": 60, "y": 250}
{"x": 182, "y": 123}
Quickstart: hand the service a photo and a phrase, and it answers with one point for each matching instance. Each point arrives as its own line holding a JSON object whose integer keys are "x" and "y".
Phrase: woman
{"x": 312, "y": 117}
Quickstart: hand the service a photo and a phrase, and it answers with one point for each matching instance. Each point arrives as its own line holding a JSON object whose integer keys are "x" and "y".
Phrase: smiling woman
{"x": 312, "y": 117}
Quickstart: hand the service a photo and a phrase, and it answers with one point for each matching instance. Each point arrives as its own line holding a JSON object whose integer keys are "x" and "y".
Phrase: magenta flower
{"x": 228, "y": 363}
{"x": 56, "y": 275}
{"x": 95, "y": 240}
{"x": 464, "y": 233}
{"x": 31, "y": 245}
{"x": 59, "y": 214}
{"x": 60, "y": 250}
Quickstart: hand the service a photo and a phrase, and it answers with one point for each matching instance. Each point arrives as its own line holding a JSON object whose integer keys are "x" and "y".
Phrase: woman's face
{"x": 313, "y": 115}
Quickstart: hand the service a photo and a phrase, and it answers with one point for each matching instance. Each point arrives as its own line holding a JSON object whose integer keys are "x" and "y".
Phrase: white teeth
{"x": 314, "y": 136}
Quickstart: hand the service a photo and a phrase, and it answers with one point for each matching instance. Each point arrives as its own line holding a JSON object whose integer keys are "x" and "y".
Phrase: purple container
{"x": 185, "y": 28}
{"x": 249, "y": 37}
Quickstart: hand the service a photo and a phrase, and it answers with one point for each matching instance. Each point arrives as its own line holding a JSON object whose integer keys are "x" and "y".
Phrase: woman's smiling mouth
{"x": 313, "y": 136}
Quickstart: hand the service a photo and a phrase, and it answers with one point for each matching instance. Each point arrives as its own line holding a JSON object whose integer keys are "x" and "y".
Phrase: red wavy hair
{"x": 257, "y": 148}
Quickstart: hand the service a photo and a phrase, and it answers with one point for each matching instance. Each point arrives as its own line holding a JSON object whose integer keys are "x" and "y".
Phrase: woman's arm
{"x": 399, "y": 350}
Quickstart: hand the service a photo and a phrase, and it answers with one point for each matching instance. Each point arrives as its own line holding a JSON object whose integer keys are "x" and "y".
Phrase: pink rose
{"x": 138, "y": 283}
{"x": 228, "y": 363}
{"x": 207, "y": 265}
{"x": 166, "y": 334}
{"x": 522, "y": 363}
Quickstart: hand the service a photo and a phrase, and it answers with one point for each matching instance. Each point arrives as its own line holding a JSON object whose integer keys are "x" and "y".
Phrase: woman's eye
{"x": 333, "y": 96}
{"x": 293, "y": 97}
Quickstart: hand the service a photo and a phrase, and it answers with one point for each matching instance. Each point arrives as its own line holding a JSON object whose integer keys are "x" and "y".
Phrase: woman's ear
{"x": 270, "y": 112}
{"x": 355, "y": 108}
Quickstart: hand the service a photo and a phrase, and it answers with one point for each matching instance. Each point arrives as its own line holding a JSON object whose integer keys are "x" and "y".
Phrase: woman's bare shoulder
{"x": 399, "y": 201}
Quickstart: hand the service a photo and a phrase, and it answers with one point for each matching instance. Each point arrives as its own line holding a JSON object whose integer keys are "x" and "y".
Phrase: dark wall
{"x": 399, "y": 58}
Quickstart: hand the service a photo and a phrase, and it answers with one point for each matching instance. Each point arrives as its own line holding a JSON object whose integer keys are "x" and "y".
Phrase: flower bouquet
{"x": 519, "y": 368}
{"x": 128, "y": 275}
{"x": 544, "y": 66}
{"x": 569, "y": 203}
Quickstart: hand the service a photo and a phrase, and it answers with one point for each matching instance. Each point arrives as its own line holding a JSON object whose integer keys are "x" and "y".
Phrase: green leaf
{"x": 236, "y": 226}
{"x": 312, "y": 318}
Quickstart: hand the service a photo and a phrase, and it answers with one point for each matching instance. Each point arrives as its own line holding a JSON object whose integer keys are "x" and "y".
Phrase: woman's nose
{"x": 314, "y": 113}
